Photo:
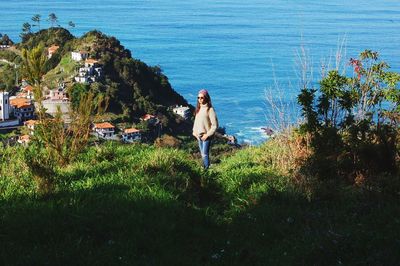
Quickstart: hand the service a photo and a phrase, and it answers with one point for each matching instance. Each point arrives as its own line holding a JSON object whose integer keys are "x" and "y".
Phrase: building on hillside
{"x": 22, "y": 108}
{"x": 57, "y": 99}
{"x": 51, "y": 50}
{"x": 26, "y": 92}
{"x": 91, "y": 72}
{"x": 79, "y": 56}
{"x": 30, "y": 124}
{"x": 151, "y": 119}
{"x": 24, "y": 83}
{"x": 182, "y": 111}
{"x": 58, "y": 94}
{"x": 131, "y": 134}
{"x": 91, "y": 62}
{"x": 24, "y": 139}
{"x": 104, "y": 130}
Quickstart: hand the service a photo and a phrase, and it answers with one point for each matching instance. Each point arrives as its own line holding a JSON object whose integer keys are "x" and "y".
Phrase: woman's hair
{"x": 206, "y": 98}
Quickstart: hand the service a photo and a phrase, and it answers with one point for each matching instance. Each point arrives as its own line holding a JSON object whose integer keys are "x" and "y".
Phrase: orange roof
{"x": 20, "y": 102}
{"x": 28, "y": 88}
{"x": 22, "y": 94}
{"x": 30, "y": 122}
{"x": 147, "y": 116}
{"x": 103, "y": 125}
{"x": 24, "y": 138}
{"x": 131, "y": 130}
{"x": 53, "y": 48}
{"x": 91, "y": 61}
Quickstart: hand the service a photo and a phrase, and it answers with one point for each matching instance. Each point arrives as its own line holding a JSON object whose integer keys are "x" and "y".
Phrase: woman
{"x": 205, "y": 125}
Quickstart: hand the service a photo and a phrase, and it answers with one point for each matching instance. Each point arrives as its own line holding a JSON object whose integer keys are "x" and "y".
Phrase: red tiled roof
{"x": 53, "y": 48}
{"x": 103, "y": 125}
{"x": 131, "y": 130}
{"x": 28, "y": 88}
{"x": 91, "y": 61}
{"x": 20, "y": 102}
{"x": 30, "y": 122}
{"x": 22, "y": 94}
{"x": 147, "y": 117}
{"x": 24, "y": 138}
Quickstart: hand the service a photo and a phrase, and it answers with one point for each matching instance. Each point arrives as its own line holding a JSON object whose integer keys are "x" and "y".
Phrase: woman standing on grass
{"x": 205, "y": 125}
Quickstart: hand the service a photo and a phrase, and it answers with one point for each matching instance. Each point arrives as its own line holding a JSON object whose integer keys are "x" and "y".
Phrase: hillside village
{"x": 17, "y": 107}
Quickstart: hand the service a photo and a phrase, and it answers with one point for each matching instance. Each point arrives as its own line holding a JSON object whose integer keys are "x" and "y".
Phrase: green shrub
{"x": 353, "y": 122}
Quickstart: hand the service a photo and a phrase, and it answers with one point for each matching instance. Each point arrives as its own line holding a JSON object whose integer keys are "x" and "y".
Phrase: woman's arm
{"x": 214, "y": 122}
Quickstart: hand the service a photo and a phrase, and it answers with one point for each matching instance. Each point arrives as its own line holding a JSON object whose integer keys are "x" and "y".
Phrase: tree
{"x": 5, "y": 40}
{"x": 26, "y": 28}
{"x": 7, "y": 78}
{"x": 53, "y": 145}
{"x": 36, "y": 19}
{"x": 71, "y": 25}
{"x": 33, "y": 68}
{"x": 53, "y": 19}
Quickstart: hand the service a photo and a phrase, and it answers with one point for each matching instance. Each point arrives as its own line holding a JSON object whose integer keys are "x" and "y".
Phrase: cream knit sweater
{"x": 205, "y": 122}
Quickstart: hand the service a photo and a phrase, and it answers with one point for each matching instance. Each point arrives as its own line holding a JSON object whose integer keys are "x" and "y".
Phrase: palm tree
{"x": 71, "y": 24}
{"x": 26, "y": 28}
{"x": 36, "y": 19}
{"x": 53, "y": 19}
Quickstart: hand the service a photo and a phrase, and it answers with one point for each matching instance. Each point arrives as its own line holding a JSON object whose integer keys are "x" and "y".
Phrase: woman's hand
{"x": 204, "y": 137}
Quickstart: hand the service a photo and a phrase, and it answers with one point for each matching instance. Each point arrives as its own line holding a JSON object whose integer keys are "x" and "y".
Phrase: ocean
{"x": 237, "y": 50}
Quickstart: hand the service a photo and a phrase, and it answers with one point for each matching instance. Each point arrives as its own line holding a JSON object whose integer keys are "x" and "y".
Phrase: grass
{"x": 141, "y": 205}
{"x": 64, "y": 71}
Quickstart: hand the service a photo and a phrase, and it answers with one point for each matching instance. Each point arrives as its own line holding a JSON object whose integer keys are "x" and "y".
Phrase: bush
{"x": 167, "y": 141}
{"x": 353, "y": 122}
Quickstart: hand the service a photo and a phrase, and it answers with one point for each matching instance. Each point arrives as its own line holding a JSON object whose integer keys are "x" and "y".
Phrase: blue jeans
{"x": 204, "y": 150}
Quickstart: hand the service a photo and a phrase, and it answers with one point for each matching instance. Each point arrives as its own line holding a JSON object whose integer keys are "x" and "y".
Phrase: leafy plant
{"x": 353, "y": 121}
{"x": 55, "y": 144}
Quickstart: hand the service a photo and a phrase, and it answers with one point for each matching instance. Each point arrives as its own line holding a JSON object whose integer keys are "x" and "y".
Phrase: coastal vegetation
{"x": 323, "y": 193}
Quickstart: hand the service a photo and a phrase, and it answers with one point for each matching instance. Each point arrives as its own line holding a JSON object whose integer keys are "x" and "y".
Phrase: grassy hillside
{"x": 64, "y": 71}
{"x": 141, "y": 205}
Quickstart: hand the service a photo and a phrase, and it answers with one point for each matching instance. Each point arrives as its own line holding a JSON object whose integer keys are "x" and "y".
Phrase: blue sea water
{"x": 235, "y": 49}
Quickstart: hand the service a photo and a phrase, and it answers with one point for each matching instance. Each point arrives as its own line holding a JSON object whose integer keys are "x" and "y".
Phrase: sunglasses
{"x": 200, "y": 97}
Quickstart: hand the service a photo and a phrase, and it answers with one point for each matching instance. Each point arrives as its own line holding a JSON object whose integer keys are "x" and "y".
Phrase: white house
{"x": 131, "y": 134}
{"x": 91, "y": 72}
{"x": 183, "y": 111}
{"x": 82, "y": 79}
{"x": 78, "y": 56}
{"x": 104, "y": 130}
{"x": 24, "y": 139}
{"x": 30, "y": 124}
